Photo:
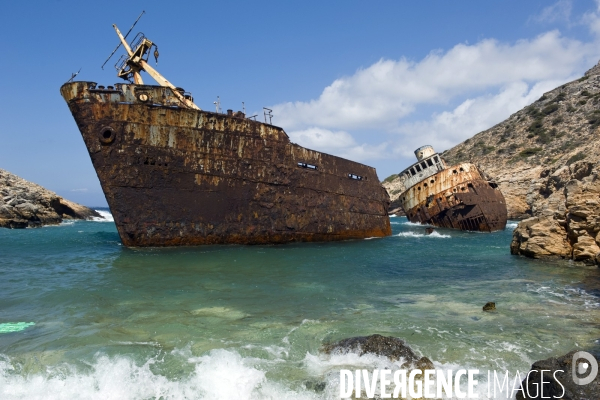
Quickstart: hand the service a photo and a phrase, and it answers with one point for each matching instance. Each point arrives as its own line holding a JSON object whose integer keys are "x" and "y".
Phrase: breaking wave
{"x": 106, "y": 216}
{"x": 219, "y": 375}
{"x": 434, "y": 234}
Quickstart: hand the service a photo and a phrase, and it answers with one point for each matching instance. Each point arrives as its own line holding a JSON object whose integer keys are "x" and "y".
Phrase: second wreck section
{"x": 458, "y": 197}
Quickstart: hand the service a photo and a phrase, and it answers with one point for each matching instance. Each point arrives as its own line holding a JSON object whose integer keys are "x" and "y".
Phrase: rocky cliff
{"x": 544, "y": 159}
{"x": 25, "y": 204}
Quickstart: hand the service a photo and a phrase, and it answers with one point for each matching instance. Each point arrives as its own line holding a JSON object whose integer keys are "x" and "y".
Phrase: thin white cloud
{"x": 592, "y": 19}
{"x": 79, "y": 190}
{"x": 557, "y": 12}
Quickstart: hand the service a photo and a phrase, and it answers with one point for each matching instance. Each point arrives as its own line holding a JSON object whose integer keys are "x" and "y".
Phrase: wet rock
{"x": 489, "y": 306}
{"x": 429, "y": 231}
{"x": 315, "y": 386}
{"x": 554, "y": 389}
{"x": 393, "y": 348}
{"x": 26, "y": 204}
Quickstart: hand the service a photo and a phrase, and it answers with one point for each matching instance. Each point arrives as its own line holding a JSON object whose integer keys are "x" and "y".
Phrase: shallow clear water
{"x": 247, "y": 322}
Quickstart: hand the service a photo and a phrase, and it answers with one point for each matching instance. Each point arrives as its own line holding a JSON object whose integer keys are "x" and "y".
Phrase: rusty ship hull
{"x": 457, "y": 197}
{"x": 179, "y": 176}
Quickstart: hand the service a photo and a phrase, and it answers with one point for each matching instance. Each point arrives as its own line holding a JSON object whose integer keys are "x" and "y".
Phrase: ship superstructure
{"x": 457, "y": 197}
{"x": 174, "y": 174}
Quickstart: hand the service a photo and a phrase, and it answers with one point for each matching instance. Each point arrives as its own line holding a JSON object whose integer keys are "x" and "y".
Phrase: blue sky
{"x": 369, "y": 81}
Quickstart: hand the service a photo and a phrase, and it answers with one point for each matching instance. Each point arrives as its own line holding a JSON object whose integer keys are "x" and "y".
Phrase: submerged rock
{"x": 553, "y": 389}
{"x": 489, "y": 306}
{"x": 25, "y": 204}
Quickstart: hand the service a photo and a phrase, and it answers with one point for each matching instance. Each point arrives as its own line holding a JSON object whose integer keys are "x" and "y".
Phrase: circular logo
{"x": 590, "y": 367}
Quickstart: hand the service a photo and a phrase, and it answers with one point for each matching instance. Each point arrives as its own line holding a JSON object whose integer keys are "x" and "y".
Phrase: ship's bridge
{"x": 429, "y": 163}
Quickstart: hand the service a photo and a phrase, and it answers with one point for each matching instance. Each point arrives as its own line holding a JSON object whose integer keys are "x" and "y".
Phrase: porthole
{"x": 143, "y": 97}
{"x": 107, "y": 135}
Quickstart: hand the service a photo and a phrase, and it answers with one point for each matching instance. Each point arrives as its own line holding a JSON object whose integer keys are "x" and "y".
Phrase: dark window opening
{"x": 424, "y": 165}
{"x": 307, "y": 166}
{"x": 461, "y": 169}
{"x": 425, "y": 185}
{"x": 432, "y": 181}
{"x": 412, "y": 171}
{"x": 454, "y": 171}
{"x": 436, "y": 159}
{"x": 493, "y": 185}
{"x": 106, "y": 134}
{"x": 355, "y": 177}
{"x": 429, "y": 162}
{"x": 418, "y": 168}
{"x": 419, "y": 188}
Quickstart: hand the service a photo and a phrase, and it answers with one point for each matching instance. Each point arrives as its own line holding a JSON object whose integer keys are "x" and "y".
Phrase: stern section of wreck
{"x": 456, "y": 197}
{"x": 179, "y": 176}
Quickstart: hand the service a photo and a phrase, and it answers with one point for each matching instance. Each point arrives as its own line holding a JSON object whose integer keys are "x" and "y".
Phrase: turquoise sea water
{"x": 247, "y": 322}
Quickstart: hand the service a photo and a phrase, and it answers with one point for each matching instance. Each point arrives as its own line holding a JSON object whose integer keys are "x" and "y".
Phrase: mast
{"x": 137, "y": 61}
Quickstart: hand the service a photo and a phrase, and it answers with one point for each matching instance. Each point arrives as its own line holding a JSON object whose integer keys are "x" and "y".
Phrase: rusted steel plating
{"x": 452, "y": 197}
{"x": 173, "y": 175}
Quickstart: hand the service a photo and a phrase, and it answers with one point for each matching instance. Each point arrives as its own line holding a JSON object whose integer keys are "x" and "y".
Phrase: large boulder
{"x": 393, "y": 348}
{"x": 388, "y": 346}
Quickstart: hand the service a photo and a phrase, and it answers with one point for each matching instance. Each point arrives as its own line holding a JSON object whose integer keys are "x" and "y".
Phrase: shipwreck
{"x": 174, "y": 174}
{"x": 459, "y": 197}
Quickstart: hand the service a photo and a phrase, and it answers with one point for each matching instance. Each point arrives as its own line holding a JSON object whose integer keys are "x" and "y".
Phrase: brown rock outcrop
{"x": 25, "y": 204}
{"x": 566, "y": 204}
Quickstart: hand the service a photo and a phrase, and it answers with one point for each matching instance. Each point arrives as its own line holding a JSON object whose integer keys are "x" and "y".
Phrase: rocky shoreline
{"x": 24, "y": 204}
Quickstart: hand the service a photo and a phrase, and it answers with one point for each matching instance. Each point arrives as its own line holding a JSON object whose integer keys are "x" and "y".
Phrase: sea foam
{"x": 219, "y": 375}
{"x": 106, "y": 216}
{"x": 433, "y": 235}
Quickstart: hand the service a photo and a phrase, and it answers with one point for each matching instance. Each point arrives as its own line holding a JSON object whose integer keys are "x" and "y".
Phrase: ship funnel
{"x": 424, "y": 152}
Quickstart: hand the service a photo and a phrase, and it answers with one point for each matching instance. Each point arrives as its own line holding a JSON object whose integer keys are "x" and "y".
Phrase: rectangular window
{"x": 418, "y": 168}
{"x": 307, "y": 166}
{"x": 424, "y": 165}
{"x": 429, "y": 162}
{"x": 355, "y": 177}
{"x": 436, "y": 159}
{"x": 412, "y": 171}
